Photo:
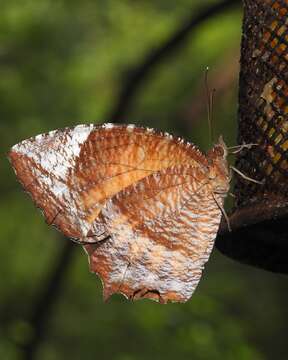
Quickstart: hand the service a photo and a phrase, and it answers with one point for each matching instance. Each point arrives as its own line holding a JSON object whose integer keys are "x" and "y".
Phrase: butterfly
{"x": 145, "y": 205}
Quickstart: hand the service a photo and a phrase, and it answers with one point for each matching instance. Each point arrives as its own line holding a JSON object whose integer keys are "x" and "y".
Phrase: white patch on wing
{"x": 130, "y": 127}
{"x": 108, "y": 126}
{"x": 56, "y": 153}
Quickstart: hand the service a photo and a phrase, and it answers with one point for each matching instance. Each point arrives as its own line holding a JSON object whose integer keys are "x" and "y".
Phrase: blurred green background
{"x": 63, "y": 63}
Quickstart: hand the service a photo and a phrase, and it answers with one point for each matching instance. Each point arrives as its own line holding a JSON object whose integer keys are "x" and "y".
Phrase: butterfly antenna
{"x": 211, "y": 103}
{"x": 210, "y": 100}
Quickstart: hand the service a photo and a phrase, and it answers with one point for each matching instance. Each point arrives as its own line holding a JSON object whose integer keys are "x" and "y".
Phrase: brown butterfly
{"x": 145, "y": 205}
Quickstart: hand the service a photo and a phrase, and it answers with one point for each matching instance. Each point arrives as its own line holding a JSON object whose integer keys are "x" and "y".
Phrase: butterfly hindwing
{"x": 162, "y": 229}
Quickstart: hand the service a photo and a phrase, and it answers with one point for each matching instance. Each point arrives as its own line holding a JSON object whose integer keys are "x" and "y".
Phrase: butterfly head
{"x": 219, "y": 173}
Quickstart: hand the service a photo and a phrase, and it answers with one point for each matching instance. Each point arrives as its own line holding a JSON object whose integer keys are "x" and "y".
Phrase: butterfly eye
{"x": 220, "y": 151}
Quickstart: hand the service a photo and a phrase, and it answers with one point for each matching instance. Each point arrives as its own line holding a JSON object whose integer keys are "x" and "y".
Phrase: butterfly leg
{"x": 238, "y": 148}
{"x": 223, "y": 211}
{"x": 245, "y": 176}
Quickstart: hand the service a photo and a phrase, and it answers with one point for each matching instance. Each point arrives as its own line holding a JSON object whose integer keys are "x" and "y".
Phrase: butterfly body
{"x": 146, "y": 205}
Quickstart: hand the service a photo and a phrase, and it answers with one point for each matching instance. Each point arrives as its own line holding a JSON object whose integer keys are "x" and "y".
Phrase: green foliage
{"x": 63, "y": 63}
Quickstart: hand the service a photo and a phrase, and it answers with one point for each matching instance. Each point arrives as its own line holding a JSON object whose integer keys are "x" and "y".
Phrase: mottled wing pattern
{"x": 71, "y": 173}
{"x": 162, "y": 229}
{"x": 115, "y": 157}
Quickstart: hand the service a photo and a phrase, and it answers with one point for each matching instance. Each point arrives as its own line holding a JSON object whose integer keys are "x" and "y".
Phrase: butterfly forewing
{"x": 162, "y": 230}
{"x": 71, "y": 173}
